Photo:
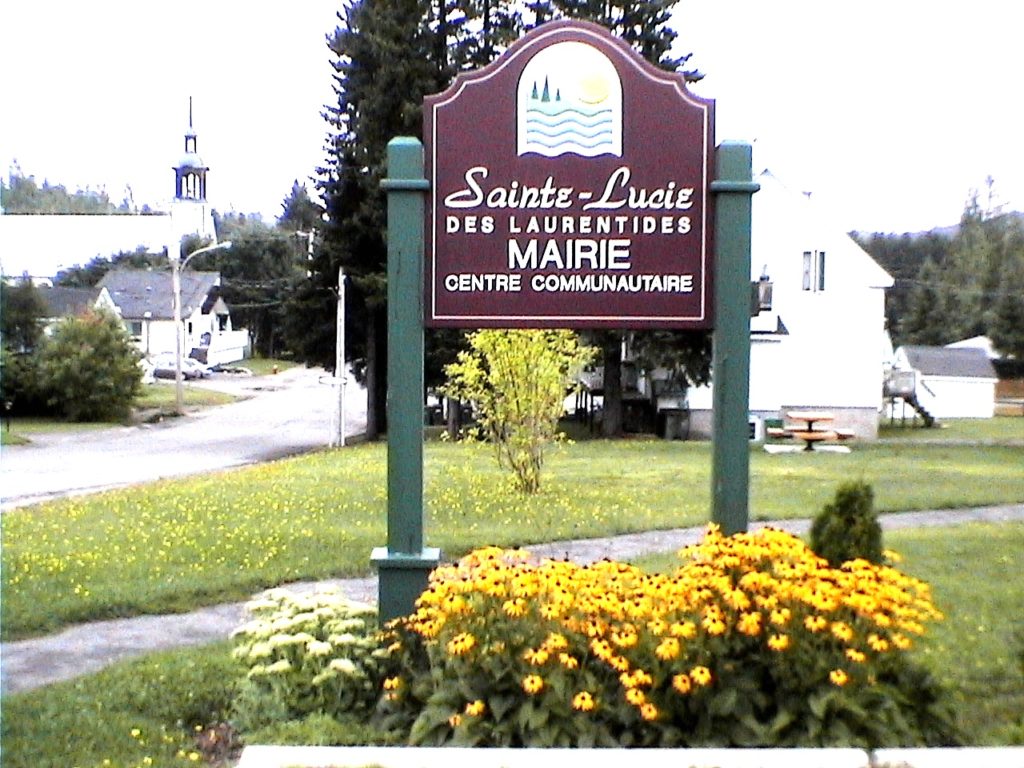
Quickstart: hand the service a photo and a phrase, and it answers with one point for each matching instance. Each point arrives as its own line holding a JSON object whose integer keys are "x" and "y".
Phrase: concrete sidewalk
{"x": 87, "y": 648}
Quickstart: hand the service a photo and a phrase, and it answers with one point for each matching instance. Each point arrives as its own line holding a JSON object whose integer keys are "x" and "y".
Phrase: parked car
{"x": 164, "y": 368}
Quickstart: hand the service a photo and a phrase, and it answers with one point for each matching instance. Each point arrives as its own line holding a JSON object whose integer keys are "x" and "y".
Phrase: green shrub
{"x": 847, "y": 528}
{"x": 90, "y": 368}
{"x": 753, "y": 641}
{"x": 21, "y": 384}
{"x": 518, "y": 381}
{"x": 316, "y": 654}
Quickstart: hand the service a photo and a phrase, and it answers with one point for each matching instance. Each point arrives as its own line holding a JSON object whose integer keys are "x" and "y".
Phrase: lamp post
{"x": 177, "y": 265}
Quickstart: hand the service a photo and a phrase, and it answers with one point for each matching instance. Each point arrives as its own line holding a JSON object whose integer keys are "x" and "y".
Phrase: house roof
{"x": 140, "y": 291}
{"x": 62, "y": 301}
{"x": 963, "y": 362}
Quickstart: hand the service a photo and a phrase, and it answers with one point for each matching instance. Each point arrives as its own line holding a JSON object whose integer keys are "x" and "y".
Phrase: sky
{"x": 889, "y": 112}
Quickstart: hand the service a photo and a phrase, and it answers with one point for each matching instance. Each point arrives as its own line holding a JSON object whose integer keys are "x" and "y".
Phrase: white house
{"x": 144, "y": 300}
{"x": 953, "y": 382}
{"x": 820, "y": 347}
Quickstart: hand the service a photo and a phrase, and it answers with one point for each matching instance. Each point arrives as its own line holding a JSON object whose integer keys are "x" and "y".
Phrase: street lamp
{"x": 177, "y": 265}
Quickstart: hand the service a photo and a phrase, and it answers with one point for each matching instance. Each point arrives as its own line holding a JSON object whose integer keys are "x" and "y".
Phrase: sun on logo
{"x": 569, "y": 101}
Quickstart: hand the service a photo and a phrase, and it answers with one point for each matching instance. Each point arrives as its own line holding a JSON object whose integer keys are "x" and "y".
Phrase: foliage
{"x": 92, "y": 273}
{"x": 23, "y": 195}
{"x": 518, "y": 380}
{"x": 182, "y": 543}
{"x": 90, "y": 368}
{"x": 753, "y": 641}
{"x": 303, "y": 655}
{"x": 22, "y": 310}
{"x": 21, "y": 384}
{"x": 258, "y": 274}
{"x": 847, "y": 528}
{"x": 965, "y": 285}
{"x": 299, "y": 213}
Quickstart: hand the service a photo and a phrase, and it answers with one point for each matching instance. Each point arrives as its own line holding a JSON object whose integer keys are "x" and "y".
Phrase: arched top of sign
{"x": 569, "y": 101}
{"x": 568, "y": 189}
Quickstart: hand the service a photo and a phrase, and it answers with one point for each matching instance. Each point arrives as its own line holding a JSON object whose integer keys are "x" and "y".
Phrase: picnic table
{"x": 809, "y": 428}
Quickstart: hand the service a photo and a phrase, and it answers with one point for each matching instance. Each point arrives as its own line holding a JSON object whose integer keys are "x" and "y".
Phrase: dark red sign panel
{"x": 569, "y": 188}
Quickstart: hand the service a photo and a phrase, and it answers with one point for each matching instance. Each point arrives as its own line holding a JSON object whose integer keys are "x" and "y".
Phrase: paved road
{"x": 282, "y": 414}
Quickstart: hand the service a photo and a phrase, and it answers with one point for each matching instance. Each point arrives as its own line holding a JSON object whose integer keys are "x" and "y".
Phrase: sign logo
{"x": 568, "y": 189}
{"x": 569, "y": 101}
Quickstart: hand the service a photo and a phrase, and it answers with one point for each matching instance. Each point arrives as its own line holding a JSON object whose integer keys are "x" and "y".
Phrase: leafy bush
{"x": 753, "y": 641}
{"x": 518, "y": 380}
{"x": 90, "y": 368}
{"x": 847, "y": 528}
{"x": 20, "y": 383}
{"x": 304, "y": 655}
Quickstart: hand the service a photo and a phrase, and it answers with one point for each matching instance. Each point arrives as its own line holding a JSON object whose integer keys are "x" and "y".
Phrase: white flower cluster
{"x": 316, "y": 652}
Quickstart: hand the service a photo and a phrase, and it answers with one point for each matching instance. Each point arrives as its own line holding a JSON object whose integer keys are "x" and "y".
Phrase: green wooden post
{"x": 404, "y": 564}
{"x": 730, "y": 367}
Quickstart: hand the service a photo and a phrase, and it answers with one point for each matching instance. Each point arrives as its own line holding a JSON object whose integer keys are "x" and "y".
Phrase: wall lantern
{"x": 761, "y": 294}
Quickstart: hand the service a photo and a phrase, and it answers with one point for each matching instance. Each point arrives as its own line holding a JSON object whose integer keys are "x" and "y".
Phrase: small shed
{"x": 951, "y": 382}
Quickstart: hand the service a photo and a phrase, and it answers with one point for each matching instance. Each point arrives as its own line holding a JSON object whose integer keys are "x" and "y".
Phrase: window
{"x": 814, "y": 271}
{"x": 135, "y": 329}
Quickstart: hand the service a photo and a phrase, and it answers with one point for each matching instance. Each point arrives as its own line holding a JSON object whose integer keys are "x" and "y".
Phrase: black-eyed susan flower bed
{"x": 753, "y": 641}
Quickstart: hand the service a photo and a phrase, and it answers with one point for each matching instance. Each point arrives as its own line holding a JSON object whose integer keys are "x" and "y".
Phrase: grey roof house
{"x": 950, "y": 382}
{"x": 145, "y": 301}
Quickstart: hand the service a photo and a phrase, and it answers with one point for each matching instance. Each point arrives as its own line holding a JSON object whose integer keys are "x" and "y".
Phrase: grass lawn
{"x": 165, "y": 696}
{"x": 161, "y": 395}
{"x": 262, "y": 366}
{"x": 1001, "y": 428}
{"x": 176, "y": 544}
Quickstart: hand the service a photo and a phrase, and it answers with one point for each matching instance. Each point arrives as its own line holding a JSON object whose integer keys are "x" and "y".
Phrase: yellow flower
{"x": 583, "y": 701}
{"x": 781, "y": 616}
{"x": 667, "y": 649}
{"x": 533, "y": 684}
{"x": 841, "y": 631}
{"x": 879, "y": 644}
{"x": 749, "y": 624}
{"x": 461, "y": 643}
{"x": 455, "y": 720}
{"x": 838, "y": 677}
{"x": 778, "y": 642}
{"x": 648, "y": 711}
{"x": 701, "y": 675}
{"x": 636, "y": 697}
{"x": 556, "y": 642}
{"x": 567, "y": 661}
{"x": 536, "y": 658}
{"x": 815, "y": 623}
{"x": 855, "y": 656}
{"x": 514, "y": 608}
{"x": 682, "y": 683}
{"x": 392, "y": 683}
{"x": 901, "y": 641}
{"x": 476, "y": 708}
{"x": 687, "y": 630}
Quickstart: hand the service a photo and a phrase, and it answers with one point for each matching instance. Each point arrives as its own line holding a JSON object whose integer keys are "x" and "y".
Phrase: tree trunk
{"x": 376, "y": 378}
{"x": 611, "y": 419}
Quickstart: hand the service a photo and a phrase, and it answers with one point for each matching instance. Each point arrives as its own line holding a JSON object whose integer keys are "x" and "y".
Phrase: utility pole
{"x": 340, "y": 372}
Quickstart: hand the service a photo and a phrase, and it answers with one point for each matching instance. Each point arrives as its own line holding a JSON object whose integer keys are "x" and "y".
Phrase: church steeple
{"x": 190, "y": 173}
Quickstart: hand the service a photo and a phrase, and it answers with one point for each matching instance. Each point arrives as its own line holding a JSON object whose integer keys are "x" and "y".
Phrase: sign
{"x": 569, "y": 188}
